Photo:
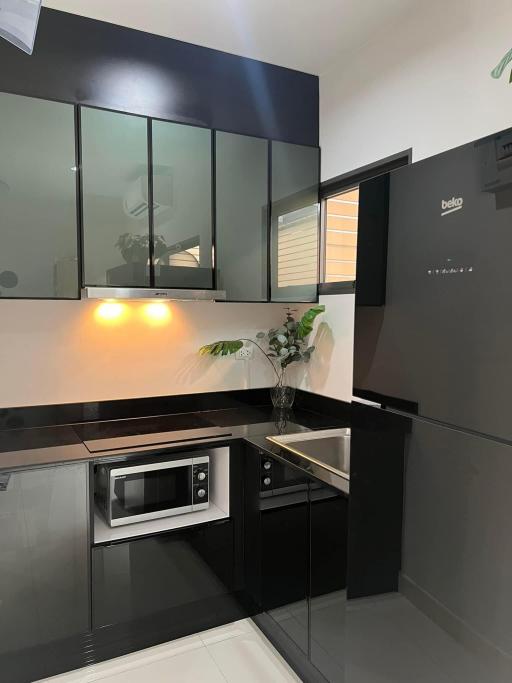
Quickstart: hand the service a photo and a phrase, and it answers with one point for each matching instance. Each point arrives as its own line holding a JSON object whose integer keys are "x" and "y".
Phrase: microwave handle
{"x": 136, "y": 469}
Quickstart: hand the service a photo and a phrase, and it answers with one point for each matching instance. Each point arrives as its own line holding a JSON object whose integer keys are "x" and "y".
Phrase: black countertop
{"x": 37, "y": 446}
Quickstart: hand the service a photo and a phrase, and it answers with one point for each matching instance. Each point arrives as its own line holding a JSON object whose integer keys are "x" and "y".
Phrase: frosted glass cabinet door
{"x": 38, "y": 230}
{"x": 44, "y": 577}
{"x": 182, "y": 200}
{"x": 241, "y": 193}
{"x": 295, "y": 222}
{"x": 115, "y": 199}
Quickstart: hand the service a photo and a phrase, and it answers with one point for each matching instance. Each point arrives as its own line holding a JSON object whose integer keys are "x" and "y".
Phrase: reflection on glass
{"x": 341, "y": 219}
{"x": 182, "y": 205}
{"x": 295, "y": 222}
{"x": 115, "y": 199}
{"x": 38, "y": 255}
{"x": 297, "y": 247}
{"x": 241, "y": 187}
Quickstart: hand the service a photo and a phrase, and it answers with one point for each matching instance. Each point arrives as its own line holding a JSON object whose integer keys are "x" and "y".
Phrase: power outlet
{"x": 245, "y": 353}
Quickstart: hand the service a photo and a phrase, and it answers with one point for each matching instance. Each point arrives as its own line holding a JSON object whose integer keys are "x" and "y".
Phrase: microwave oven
{"x": 130, "y": 492}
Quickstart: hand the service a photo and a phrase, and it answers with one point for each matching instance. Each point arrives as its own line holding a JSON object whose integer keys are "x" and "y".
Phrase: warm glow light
{"x": 110, "y": 311}
{"x": 157, "y": 312}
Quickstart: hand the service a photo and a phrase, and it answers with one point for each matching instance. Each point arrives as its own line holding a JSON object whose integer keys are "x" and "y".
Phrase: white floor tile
{"x": 126, "y": 663}
{"x": 237, "y": 628}
{"x": 233, "y": 653}
{"x": 195, "y": 666}
{"x": 252, "y": 659}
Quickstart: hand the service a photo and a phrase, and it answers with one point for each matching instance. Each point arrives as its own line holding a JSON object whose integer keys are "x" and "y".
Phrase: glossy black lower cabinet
{"x": 44, "y": 568}
{"x": 376, "y": 501}
{"x": 284, "y": 565}
{"x": 328, "y": 580}
{"x": 296, "y": 568}
{"x": 169, "y": 572}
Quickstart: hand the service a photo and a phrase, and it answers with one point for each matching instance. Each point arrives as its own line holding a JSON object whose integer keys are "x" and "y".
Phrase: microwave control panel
{"x": 200, "y": 483}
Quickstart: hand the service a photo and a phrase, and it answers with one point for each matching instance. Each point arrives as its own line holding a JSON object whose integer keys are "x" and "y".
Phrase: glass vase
{"x": 282, "y": 396}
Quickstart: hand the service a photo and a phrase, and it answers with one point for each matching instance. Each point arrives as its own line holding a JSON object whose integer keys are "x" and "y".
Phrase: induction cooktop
{"x": 147, "y": 431}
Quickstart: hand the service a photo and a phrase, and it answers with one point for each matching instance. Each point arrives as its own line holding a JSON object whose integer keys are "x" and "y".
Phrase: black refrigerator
{"x": 432, "y": 590}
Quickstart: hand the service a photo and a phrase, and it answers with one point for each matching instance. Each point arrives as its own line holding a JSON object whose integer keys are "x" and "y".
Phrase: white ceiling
{"x": 299, "y": 34}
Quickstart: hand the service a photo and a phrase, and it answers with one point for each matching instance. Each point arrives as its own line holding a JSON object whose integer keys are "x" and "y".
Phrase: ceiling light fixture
{"x": 18, "y": 22}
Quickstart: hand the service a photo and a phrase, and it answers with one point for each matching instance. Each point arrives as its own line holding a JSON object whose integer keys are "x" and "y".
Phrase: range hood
{"x": 143, "y": 293}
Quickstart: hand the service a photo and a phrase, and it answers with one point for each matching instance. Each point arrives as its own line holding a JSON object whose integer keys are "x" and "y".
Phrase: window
{"x": 339, "y": 223}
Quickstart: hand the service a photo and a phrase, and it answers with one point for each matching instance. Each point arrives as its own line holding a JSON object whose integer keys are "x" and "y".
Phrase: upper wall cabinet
{"x": 149, "y": 193}
{"x": 294, "y": 222}
{"x": 241, "y": 184}
{"x": 182, "y": 205}
{"x": 115, "y": 204}
{"x": 38, "y": 248}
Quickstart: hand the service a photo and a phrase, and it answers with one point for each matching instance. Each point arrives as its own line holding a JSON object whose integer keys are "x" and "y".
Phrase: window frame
{"x": 342, "y": 183}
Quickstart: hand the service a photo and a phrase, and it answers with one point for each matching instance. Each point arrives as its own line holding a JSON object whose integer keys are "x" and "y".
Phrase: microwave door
{"x": 145, "y": 492}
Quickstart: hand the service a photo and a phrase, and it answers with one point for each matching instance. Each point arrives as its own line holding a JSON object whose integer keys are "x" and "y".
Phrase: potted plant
{"x": 282, "y": 346}
{"x": 135, "y": 248}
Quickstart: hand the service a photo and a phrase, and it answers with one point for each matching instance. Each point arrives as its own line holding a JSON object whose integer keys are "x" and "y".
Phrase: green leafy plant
{"x": 135, "y": 248}
{"x": 500, "y": 68}
{"x": 281, "y": 346}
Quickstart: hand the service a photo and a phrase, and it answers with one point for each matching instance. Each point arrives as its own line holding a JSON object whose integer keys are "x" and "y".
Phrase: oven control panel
{"x": 266, "y": 472}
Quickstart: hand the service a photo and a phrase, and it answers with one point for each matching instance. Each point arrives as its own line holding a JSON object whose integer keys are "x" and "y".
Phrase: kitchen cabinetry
{"x": 241, "y": 200}
{"x": 115, "y": 199}
{"x": 296, "y": 565}
{"x": 182, "y": 205}
{"x": 131, "y": 240}
{"x": 284, "y": 564}
{"x": 294, "y": 249}
{"x": 377, "y": 468}
{"x": 38, "y": 246}
{"x": 149, "y": 193}
{"x": 146, "y": 226}
{"x": 44, "y": 563}
{"x": 167, "y": 585}
{"x": 177, "y": 573}
{"x": 328, "y": 582}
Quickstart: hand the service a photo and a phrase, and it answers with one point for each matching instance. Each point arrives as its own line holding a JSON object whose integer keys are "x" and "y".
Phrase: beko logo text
{"x": 451, "y": 205}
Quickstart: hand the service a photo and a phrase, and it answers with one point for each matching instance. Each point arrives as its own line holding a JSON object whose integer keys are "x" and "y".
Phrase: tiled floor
{"x": 384, "y": 639}
{"x": 235, "y": 653}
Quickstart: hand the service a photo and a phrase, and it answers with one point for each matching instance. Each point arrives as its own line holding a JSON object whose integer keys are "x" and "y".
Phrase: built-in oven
{"x": 136, "y": 491}
{"x": 277, "y": 478}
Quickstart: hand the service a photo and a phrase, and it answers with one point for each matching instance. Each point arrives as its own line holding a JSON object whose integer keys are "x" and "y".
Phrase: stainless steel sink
{"x": 329, "y": 448}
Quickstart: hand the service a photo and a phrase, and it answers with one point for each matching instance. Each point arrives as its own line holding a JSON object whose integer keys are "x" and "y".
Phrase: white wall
{"x": 58, "y": 352}
{"x": 423, "y": 84}
{"x": 330, "y": 370}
